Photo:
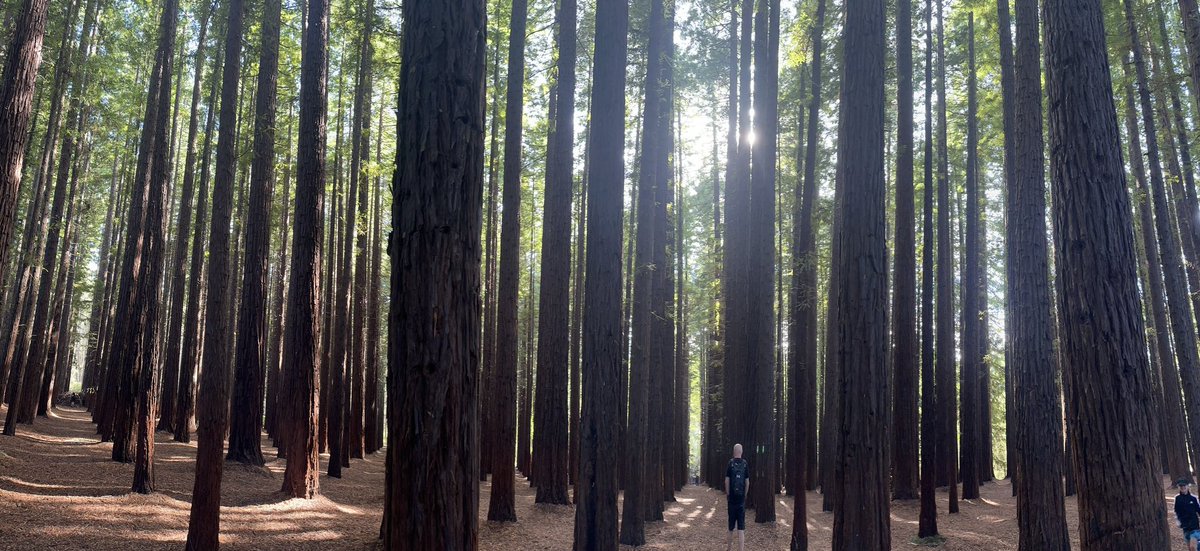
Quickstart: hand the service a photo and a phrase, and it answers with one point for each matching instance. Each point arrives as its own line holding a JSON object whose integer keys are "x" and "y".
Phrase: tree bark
{"x": 245, "y": 429}
{"x": 193, "y": 328}
{"x": 212, "y": 412}
{"x": 24, "y": 57}
{"x": 550, "y": 439}
{"x": 170, "y": 386}
{"x": 301, "y": 348}
{"x": 435, "y": 258}
{"x": 927, "y": 517}
{"x": 1041, "y": 519}
{"x": 861, "y": 515}
{"x": 945, "y": 367}
{"x": 1103, "y": 341}
{"x": 904, "y": 351}
{"x": 501, "y": 506}
{"x": 971, "y": 305}
{"x": 595, "y": 513}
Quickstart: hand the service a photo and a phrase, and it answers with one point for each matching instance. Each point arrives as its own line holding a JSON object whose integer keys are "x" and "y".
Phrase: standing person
{"x": 737, "y": 486}
{"x": 1187, "y": 512}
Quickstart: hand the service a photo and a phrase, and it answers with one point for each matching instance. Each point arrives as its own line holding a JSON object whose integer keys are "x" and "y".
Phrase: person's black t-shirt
{"x": 738, "y": 473}
{"x": 1186, "y": 510}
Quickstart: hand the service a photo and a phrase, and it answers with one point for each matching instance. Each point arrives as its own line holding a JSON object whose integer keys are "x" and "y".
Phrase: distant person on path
{"x": 1187, "y": 512}
{"x": 737, "y": 485}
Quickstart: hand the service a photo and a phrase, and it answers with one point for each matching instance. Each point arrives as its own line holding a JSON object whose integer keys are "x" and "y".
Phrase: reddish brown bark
{"x": 435, "y": 267}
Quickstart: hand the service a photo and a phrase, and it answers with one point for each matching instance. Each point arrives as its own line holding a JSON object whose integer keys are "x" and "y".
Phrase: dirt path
{"x": 59, "y": 490}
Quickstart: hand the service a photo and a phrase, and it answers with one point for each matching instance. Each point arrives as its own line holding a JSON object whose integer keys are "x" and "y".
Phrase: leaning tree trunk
{"x": 212, "y": 412}
{"x": 1109, "y": 384}
{"x": 23, "y": 58}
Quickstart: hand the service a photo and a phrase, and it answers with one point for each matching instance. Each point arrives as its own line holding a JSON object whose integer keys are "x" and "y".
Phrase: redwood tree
{"x": 212, "y": 410}
{"x": 245, "y": 428}
{"x": 1103, "y": 344}
{"x": 861, "y": 513}
{"x": 501, "y": 505}
{"x": 21, "y": 63}
{"x": 550, "y": 439}
{"x": 433, "y": 491}
{"x": 904, "y": 308}
{"x": 301, "y": 359}
{"x": 597, "y": 484}
{"x": 1038, "y": 454}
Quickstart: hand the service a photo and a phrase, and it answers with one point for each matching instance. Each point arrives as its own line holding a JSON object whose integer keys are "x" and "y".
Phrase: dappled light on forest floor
{"x": 60, "y": 490}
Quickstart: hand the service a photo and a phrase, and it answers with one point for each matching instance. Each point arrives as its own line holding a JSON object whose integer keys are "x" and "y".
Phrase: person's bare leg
{"x": 741, "y": 540}
{"x": 729, "y": 544}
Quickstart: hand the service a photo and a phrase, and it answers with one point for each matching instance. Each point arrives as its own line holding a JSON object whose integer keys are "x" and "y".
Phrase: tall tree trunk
{"x": 805, "y": 297}
{"x": 1038, "y": 437}
{"x": 595, "y": 513}
{"x": 927, "y": 517}
{"x": 736, "y": 420}
{"x": 301, "y": 348}
{"x": 375, "y": 411}
{"x": 1120, "y": 501}
{"x": 434, "y": 259}
{"x": 971, "y": 309}
{"x": 167, "y": 406}
{"x": 577, "y": 322}
{"x": 642, "y": 488}
{"x": 861, "y": 515}
{"x": 946, "y": 393}
{"x": 193, "y": 328}
{"x": 21, "y": 63}
{"x": 275, "y": 350}
{"x": 904, "y": 351}
{"x": 212, "y": 412}
{"x": 487, "y": 431}
{"x": 550, "y": 439}
{"x": 502, "y": 502}
{"x": 98, "y": 291}
{"x": 245, "y": 429}
{"x": 359, "y": 165}
{"x": 761, "y": 270}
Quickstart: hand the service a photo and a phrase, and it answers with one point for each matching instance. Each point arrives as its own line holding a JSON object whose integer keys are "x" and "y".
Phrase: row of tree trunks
{"x": 168, "y": 417}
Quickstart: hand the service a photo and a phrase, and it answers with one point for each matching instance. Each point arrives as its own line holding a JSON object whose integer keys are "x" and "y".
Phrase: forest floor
{"x": 60, "y": 490}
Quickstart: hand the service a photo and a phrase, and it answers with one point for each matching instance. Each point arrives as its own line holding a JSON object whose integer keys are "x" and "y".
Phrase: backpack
{"x": 737, "y": 478}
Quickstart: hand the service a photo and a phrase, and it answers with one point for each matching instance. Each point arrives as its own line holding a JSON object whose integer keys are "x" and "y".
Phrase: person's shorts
{"x": 1187, "y": 536}
{"x": 737, "y": 516}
